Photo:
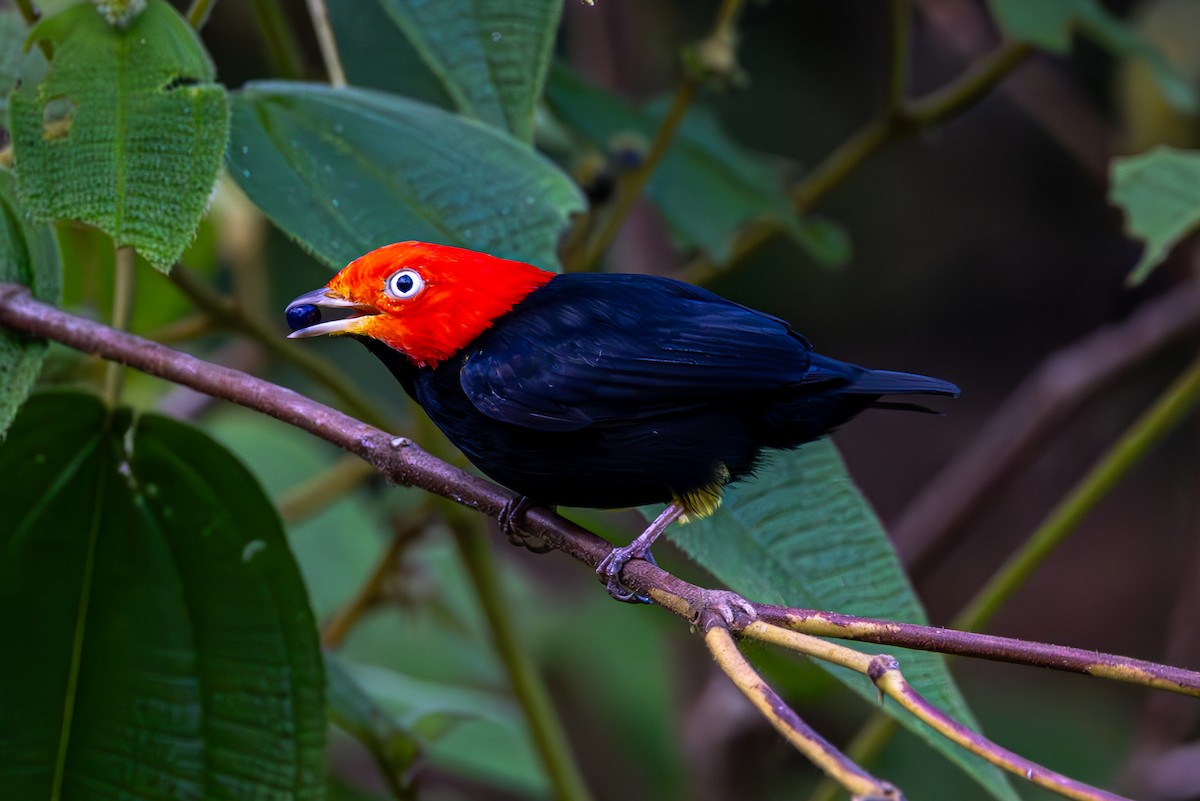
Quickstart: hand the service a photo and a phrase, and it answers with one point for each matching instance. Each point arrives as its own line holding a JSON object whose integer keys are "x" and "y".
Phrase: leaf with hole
{"x": 344, "y": 171}
{"x": 158, "y": 637}
{"x": 126, "y": 131}
{"x": 800, "y": 534}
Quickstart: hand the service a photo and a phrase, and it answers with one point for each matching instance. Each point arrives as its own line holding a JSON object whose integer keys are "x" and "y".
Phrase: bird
{"x": 600, "y": 390}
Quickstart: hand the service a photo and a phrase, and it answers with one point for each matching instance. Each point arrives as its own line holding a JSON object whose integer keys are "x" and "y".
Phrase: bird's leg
{"x": 610, "y": 567}
{"x": 509, "y": 520}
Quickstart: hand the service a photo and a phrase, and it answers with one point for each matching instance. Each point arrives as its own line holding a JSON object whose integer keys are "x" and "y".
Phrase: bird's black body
{"x": 618, "y": 390}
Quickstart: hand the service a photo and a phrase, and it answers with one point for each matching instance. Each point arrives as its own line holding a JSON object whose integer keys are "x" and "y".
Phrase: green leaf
{"x": 127, "y": 130}
{"x": 802, "y": 535}
{"x": 707, "y": 186}
{"x": 394, "y": 748}
{"x": 377, "y": 56}
{"x": 28, "y": 255}
{"x": 157, "y": 635}
{"x": 490, "y": 741}
{"x": 1160, "y": 193}
{"x": 1050, "y": 24}
{"x": 344, "y": 171}
{"x": 491, "y": 55}
{"x": 13, "y": 33}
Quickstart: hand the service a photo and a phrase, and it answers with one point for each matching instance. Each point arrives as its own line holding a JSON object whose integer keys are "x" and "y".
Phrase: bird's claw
{"x": 509, "y": 519}
{"x": 610, "y": 568}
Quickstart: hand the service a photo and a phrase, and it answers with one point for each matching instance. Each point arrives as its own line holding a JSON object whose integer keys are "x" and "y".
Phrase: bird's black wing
{"x": 586, "y": 348}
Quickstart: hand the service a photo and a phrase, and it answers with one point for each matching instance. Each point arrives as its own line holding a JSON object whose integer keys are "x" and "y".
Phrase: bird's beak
{"x": 326, "y": 298}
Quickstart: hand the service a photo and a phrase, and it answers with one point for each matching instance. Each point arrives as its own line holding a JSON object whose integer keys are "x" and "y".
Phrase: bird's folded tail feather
{"x": 861, "y": 381}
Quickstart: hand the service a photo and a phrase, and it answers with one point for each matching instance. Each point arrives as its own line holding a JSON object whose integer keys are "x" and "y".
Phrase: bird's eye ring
{"x": 404, "y": 285}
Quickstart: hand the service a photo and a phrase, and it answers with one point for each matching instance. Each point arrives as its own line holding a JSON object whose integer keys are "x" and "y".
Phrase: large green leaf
{"x": 28, "y": 255}
{"x": 491, "y": 55}
{"x": 346, "y": 171}
{"x": 157, "y": 635}
{"x": 707, "y": 185}
{"x": 801, "y": 534}
{"x": 127, "y": 130}
{"x": 1160, "y": 193}
{"x": 1050, "y": 24}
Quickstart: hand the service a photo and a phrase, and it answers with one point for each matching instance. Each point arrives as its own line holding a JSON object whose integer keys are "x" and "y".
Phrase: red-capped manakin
{"x": 590, "y": 389}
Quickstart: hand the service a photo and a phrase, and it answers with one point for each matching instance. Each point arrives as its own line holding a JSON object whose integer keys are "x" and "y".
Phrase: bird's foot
{"x": 610, "y": 568}
{"x": 730, "y": 607}
{"x": 510, "y": 519}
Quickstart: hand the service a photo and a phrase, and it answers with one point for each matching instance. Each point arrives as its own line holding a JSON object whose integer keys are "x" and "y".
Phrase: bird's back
{"x": 620, "y": 390}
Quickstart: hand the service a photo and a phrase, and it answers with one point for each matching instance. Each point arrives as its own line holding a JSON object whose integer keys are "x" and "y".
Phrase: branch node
{"x": 401, "y": 442}
{"x": 729, "y": 610}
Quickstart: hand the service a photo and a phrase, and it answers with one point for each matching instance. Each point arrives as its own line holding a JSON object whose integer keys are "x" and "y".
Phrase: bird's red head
{"x": 426, "y": 301}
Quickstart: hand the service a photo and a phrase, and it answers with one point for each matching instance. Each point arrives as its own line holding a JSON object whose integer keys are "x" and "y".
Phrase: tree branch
{"x": 836, "y": 765}
{"x": 403, "y": 462}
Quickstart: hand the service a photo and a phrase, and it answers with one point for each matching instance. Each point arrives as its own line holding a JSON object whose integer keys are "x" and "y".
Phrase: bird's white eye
{"x": 404, "y": 284}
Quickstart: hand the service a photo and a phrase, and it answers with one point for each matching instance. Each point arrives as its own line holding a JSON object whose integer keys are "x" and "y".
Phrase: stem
{"x": 898, "y": 119}
{"x": 1044, "y": 401}
{"x": 197, "y": 15}
{"x": 283, "y": 51}
{"x": 631, "y": 187}
{"x": 328, "y": 43}
{"x": 329, "y": 486}
{"x": 527, "y": 685}
{"x": 373, "y": 590}
{"x": 868, "y": 741}
{"x": 1167, "y": 412}
{"x": 836, "y": 765}
{"x": 123, "y": 289}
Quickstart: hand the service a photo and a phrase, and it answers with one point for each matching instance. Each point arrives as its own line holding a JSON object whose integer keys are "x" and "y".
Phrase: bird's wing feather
{"x": 585, "y": 349}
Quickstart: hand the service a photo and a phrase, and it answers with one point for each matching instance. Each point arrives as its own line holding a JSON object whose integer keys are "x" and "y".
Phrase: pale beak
{"x": 326, "y": 298}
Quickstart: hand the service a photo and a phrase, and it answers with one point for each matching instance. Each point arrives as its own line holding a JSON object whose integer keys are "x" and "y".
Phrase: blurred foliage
{"x": 156, "y": 609}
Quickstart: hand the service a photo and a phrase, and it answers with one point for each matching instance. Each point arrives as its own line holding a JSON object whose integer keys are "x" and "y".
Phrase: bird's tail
{"x": 887, "y": 382}
{"x": 861, "y": 381}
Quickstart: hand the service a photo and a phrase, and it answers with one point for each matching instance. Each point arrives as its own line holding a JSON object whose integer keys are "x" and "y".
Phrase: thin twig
{"x": 803, "y": 738}
{"x": 374, "y": 589}
{"x": 884, "y": 672}
{"x": 122, "y": 310}
{"x": 1163, "y": 416}
{"x": 328, "y": 43}
{"x": 1051, "y": 394}
{"x": 896, "y": 121}
{"x": 545, "y": 729}
{"x": 630, "y": 188}
{"x": 983, "y": 646}
{"x": 327, "y": 487}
